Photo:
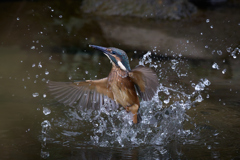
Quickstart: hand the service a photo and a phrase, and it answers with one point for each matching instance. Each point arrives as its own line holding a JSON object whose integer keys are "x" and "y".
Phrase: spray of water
{"x": 162, "y": 120}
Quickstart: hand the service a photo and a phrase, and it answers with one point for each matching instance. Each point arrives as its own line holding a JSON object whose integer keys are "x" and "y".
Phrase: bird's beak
{"x": 103, "y": 49}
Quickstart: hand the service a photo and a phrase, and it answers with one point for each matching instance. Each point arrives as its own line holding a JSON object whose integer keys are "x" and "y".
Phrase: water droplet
{"x": 215, "y": 134}
{"x": 46, "y": 73}
{"x": 229, "y": 49}
{"x": 207, "y": 96}
{"x": 45, "y": 126}
{"x": 211, "y": 26}
{"x": 52, "y": 10}
{"x": 193, "y": 84}
{"x": 60, "y": 16}
{"x": 215, "y": 66}
{"x": 35, "y": 94}
{"x": 166, "y": 101}
{"x": 166, "y": 91}
{"x": 18, "y": 18}
{"x": 86, "y": 72}
{"x": 209, "y": 147}
{"x": 234, "y": 52}
{"x": 44, "y": 95}
{"x": 46, "y": 111}
{"x": 224, "y": 71}
{"x": 206, "y": 82}
{"x": 39, "y": 65}
{"x": 219, "y": 52}
{"x": 199, "y": 98}
{"x": 33, "y": 47}
{"x": 206, "y": 46}
{"x": 174, "y": 62}
{"x": 213, "y": 51}
{"x": 207, "y": 20}
{"x": 200, "y": 86}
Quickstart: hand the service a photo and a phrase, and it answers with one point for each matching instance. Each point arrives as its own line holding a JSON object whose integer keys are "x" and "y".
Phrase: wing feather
{"x": 146, "y": 81}
{"x": 88, "y": 94}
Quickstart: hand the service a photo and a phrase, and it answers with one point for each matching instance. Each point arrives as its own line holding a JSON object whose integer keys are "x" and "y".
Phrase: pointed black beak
{"x": 103, "y": 49}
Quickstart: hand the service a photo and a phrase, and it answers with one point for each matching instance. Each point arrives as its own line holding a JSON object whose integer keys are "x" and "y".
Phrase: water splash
{"x": 162, "y": 118}
{"x": 46, "y": 126}
{"x": 146, "y": 58}
{"x": 233, "y": 52}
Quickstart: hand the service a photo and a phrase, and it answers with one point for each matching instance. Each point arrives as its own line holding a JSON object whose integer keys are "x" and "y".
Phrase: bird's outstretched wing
{"x": 146, "y": 81}
{"x": 84, "y": 94}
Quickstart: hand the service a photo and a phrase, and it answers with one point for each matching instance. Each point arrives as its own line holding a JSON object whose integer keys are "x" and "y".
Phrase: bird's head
{"x": 117, "y": 56}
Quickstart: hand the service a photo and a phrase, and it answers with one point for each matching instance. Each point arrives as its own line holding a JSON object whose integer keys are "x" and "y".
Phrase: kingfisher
{"x": 123, "y": 86}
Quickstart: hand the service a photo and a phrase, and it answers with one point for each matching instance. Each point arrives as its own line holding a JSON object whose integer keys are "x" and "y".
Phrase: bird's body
{"x": 119, "y": 88}
{"x": 122, "y": 88}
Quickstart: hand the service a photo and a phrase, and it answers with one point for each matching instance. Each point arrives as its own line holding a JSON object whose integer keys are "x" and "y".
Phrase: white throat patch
{"x": 121, "y": 65}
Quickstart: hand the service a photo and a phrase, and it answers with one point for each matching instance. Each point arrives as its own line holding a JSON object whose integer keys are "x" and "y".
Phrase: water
{"x": 194, "y": 114}
{"x": 165, "y": 119}
{"x": 185, "y": 112}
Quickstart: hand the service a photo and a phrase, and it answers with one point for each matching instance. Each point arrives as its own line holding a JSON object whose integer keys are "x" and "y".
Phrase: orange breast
{"x": 122, "y": 87}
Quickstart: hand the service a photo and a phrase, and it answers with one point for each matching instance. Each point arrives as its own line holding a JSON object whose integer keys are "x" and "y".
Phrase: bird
{"x": 123, "y": 87}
